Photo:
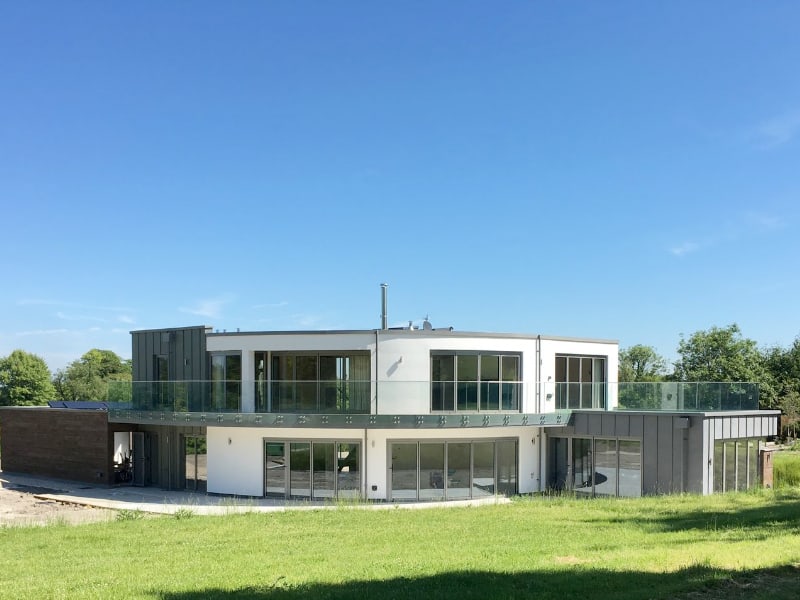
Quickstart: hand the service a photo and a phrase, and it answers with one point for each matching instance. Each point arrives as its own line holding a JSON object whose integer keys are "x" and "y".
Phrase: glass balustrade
{"x": 426, "y": 397}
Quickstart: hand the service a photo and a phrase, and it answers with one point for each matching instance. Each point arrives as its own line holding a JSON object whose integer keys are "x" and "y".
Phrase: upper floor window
{"x": 475, "y": 381}
{"x": 226, "y": 381}
{"x": 310, "y": 382}
{"x": 580, "y": 382}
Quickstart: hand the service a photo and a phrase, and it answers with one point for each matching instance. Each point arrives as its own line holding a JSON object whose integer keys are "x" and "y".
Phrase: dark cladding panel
{"x": 184, "y": 347}
{"x": 636, "y": 426}
{"x": 665, "y": 453}
{"x": 178, "y": 356}
{"x": 609, "y": 424}
{"x": 650, "y": 454}
{"x": 581, "y": 423}
{"x": 680, "y": 443}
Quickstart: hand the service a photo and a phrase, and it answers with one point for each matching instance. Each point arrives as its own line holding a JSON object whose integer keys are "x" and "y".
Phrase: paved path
{"x": 155, "y": 500}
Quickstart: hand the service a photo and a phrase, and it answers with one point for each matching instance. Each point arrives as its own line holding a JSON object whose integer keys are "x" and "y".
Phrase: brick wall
{"x": 58, "y": 442}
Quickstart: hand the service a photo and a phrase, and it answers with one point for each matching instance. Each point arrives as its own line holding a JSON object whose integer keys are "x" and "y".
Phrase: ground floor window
{"x": 196, "y": 462}
{"x": 735, "y": 464}
{"x": 316, "y": 470}
{"x": 596, "y": 466}
{"x": 452, "y": 470}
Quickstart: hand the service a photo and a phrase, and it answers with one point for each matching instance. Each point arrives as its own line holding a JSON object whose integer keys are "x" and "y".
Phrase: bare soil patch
{"x": 21, "y": 505}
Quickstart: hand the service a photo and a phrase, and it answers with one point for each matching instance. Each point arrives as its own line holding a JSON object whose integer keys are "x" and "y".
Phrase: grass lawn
{"x": 786, "y": 469}
{"x": 744, "y": 545}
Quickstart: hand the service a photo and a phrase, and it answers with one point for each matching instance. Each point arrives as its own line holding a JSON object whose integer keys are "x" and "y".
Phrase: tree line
{"x": 723, "y": 354}
{"x": 25, "y": 379}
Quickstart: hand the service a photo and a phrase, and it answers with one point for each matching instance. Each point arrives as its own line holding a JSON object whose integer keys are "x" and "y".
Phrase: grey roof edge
{"x": 442, "y": 332}
{"x": 688, "y": 413}
{"x": 207, "y": 329}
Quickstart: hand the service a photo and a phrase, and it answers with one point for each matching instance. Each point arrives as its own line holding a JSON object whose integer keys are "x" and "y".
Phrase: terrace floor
{"x": 157, "y": 501}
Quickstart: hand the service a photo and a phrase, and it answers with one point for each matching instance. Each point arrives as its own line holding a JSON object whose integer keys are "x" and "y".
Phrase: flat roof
{"x": 438, "y": 331}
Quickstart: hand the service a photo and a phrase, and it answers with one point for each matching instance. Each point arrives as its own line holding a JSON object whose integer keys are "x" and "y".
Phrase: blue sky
{"x": 619, "y": 170}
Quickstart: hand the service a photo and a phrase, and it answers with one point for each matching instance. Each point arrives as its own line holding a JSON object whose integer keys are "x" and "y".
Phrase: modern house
{"x": 394, "y": 414}
{"x": 399, "y": 414}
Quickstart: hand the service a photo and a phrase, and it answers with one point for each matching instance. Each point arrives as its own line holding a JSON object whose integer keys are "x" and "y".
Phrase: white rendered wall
{"x": 238, "y": 467}
{"x": 291, "y": 342}
{"x": 401, "y": 361}
{"x": 404, "y": 363}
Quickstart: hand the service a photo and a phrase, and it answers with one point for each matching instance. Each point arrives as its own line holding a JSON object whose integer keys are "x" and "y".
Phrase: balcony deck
{"x": 357, "y": 404}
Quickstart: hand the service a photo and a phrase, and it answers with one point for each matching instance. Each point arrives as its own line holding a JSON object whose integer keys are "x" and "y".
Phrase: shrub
{"x": 129, "y": 515}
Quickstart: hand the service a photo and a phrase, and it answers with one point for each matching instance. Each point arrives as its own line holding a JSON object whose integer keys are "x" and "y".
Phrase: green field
{"x": 727, "y": 546}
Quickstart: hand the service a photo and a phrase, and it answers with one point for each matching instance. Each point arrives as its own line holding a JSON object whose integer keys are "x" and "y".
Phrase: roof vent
{"x": 426, "y": 325}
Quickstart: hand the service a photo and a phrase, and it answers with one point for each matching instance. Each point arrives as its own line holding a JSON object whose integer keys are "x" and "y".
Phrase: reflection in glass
{"x": 752, "y": 469}
{"x": 458, "y": 476}
{"x": 586, "y": 382}
{"x": 467, "y": 387}
{"x": 630, "y": 468}
{"x": 275, "y": 468}
{"x": 404, "y": 471}
{"x": 300, "y": 469}
{"x": 741, "y": 465}
{"x": 719, "y": 466}
{"x": 582, "y": 465}
{"x": 443, "y": 374}
{"x": 605, "y": 467}
{"x": 507, "y": 467}
{"x": 511, "y": 385}
{"x": 730, "y": 466}
{"x": 482, "y": 469}
{"x": 348, "y": 478}
{"x": 307, "y": 383}
{"x": 431, "y": 471}
{"x": 490, "y": 383}
{"x": 196, "y": 462}
{"x": 324, "y": 470}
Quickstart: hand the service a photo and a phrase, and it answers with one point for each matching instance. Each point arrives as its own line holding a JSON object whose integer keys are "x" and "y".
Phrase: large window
{"x": 458, "y": 469}
{"x": 603, "y": 467}
{"x": 226, "y": 381}
{"x": 196, "y": 462}
{"x": 317, "y": 470}
{"x": 313, "y": 383}
{"x": 475, "y": 381}
{"x": 580, "y": 382}
{"x": 735, "y": 464}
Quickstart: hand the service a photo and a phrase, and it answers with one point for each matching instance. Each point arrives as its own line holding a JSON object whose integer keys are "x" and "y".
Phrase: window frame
{"x": 456, "y": 394}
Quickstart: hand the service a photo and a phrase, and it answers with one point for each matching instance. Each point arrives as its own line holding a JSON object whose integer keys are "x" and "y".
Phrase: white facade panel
{"x": 235, "y": 461}
{"x": 294, "y": 342}
{"x": 401, "y": 361}
{"x": 404, "y": 365}
{"x": 236, "y": 455}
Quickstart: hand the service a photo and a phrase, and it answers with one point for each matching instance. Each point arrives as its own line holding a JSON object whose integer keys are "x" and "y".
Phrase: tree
{"x": 719, "y": 354}
{"x": 641, "y": 363}
{"x": 782, "y": 390}
{"x": 24, "y": 380}
{"x": 87, "y": 378}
